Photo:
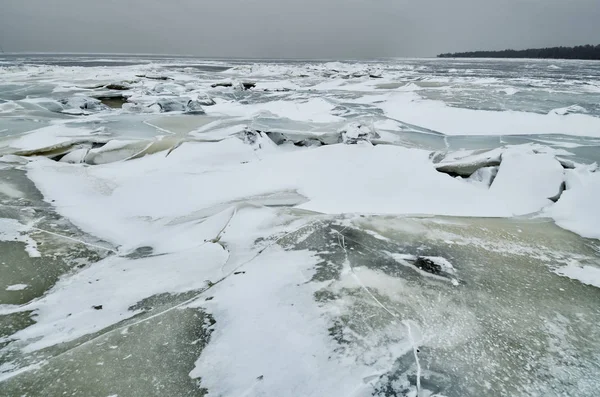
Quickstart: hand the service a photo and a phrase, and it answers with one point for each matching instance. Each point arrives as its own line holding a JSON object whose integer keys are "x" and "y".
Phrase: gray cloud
{"x": 286, "y": 28}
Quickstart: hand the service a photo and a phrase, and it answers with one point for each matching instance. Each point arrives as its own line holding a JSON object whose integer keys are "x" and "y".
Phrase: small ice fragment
{"x": 17, "y": 287}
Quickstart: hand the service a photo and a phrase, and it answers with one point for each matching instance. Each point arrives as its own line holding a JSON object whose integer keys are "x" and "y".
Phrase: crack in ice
{"x": 394, "y": 315}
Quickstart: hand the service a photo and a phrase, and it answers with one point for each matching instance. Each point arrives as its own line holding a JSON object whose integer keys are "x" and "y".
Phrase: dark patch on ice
{"x": 428, "y": 266}
{"x": 215, "y": 85}
{"x": 152, "y": 358}
{"x": 561, "y": 190}
{"x": 140, "y": 252}
{"x": 250, "y": 137}
{"x": 117, "y": 86}
{"x": 277, "y": 89}
{"x": 401, "y": 380}
{"x": 280, "y": 139}
{"x": 112, "y": 101}
{"x": 11, "y": 323}
{"x": 58, "y": 157}
{"x": 566, "y": 164}
{"x": 97, "y": 307}
{"x": 152, "y": 77}
{"x": 467, "y": 168}
{"x": 244, "y": 85}
{"x": 336, "y": 332}
{"x": 325, "y": 295}
{"x": 160, "y": 300}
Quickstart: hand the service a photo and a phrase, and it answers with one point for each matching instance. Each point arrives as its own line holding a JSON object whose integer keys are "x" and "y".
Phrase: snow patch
{"x": 437, "y": 116}
{"x": 17, "y": 287}
{"x": 589, "y": 275}
{"x": 12, "y": 230}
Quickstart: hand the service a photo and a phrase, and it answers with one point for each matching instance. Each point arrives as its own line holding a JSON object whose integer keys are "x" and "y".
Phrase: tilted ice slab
{"x": 526, "y": 181}
{"x": 52, "y": 137}
{"x": 577, "y": 210}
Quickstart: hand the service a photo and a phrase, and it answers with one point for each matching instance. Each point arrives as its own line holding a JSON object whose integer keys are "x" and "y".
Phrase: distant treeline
{"x": 578, "y": 52}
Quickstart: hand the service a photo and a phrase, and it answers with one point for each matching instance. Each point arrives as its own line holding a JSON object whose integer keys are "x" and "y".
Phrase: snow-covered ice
{"x": 374, "y": 228}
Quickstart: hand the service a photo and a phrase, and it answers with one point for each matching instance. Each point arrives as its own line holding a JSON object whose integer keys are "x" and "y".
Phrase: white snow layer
{"x": 283, "y": 311}
{"x": 335, "y": 179}
{"x": 589, "y": 275}
{"x": 114, "y": 201}
{"x": 17, "y": 287}
{"x": 437, "y": 116}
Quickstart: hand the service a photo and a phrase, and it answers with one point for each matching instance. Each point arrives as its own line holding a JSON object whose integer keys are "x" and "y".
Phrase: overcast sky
{"x": 294, "y": 29}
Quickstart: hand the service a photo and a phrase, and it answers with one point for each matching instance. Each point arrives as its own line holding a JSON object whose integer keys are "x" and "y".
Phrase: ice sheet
{"x": 261, "y": 214}
{"x": 437, "y": 116}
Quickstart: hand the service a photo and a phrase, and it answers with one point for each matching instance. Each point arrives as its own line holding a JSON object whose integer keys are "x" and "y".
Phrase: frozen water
{"x": 185, "y": 227}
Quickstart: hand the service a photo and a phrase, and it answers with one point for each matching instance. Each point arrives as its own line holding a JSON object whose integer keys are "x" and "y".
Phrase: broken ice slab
{"x": 180, "y": 124}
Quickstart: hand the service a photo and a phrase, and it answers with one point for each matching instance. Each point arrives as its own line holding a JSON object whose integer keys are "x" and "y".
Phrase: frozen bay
{"x": 186, "y": 227}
